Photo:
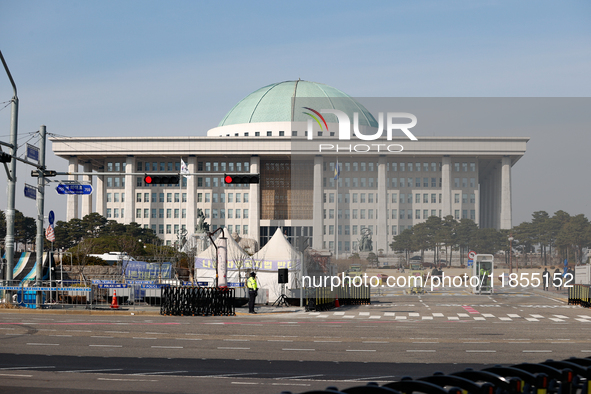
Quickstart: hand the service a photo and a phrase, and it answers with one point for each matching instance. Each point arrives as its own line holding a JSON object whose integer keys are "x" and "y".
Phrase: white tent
{"x": 277, "y": 253}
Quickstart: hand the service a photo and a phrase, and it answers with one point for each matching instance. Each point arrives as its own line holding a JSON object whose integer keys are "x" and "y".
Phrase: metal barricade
{"x": 197, "y": 301}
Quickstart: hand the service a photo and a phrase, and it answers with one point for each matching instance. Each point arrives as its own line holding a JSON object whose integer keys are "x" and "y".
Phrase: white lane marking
{"x": 363, "y": 313}
{"x": 400, "y": 317}
{"x": 438, "y": 315}
{"x": 166, "y": 347}
{"x": 324, "y": 341}
{"x": 488, "y": 315}
{"x": 420, "y": 351}
{"x": 537, "y": 316}
{"x": 233, "y": 348}
{"x": 453, "y": 318}
{"x": 556, "y": 319}
{"x": 531, "y": 319}
{"x": 288, "y": 349}
{"x": 15, "y": 375}
{"x": 374, "y": 377}
{"x": 463, "y": 315}
{"x": 479, "y": 318}
{"x": 481, "y": 351}
{"x": 79, "y": 330}
{"x": 285, "y": 340}
{"x": 291, "y": 384}
{"x": 244, "y": 383}
{"x": 106, "y": 345}
{"x": 91, "y": 370}
{"x": 119, "y": 332}
{"x": 339, "y": 313}
{"x": 414, "y": 314}
{"x": 375, "y": 317}
{"x": 143, "y": 338}
{"x": 299, "y": 377}
{"x": 375, "y": 342}
{"x": 156, "y": 373}
{"x": 189, "y": 339}
{"x": 360, "y": 350}
{"x": 561, "y": 316}
{"x": 389, "y": 313}
{"x": 155, "y": 333}
{"x": 60, "y": 335}
{"x": 427, "y": 317}
{"x": 584, "y": 316}
{"x": 537, "y": 351}
{"x": 127, "y": 380}
{"x": 513, "y": 315}
{"x": 427, "y": 342}
{"x": 225, "y": 375}
{"x": 9, "y": 368}
{"x": 505, "y": 319}
{"x": 43, "y": 344}
{"x": 100, "y": 336}
{"x": 583, "y": 320}
{"x": 475, "y": 342}
{"x": 322, "y": 316}
{"x": 237, "y": 340}
{"x": 348, "y": 317}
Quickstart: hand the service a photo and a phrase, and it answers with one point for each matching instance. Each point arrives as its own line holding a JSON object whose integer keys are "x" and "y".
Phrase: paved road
{"x": 446, "y": 330}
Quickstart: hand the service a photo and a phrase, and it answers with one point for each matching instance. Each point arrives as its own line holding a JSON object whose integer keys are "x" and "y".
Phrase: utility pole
{"x": 11, "y": 188}
{"x": 40, "y": 240}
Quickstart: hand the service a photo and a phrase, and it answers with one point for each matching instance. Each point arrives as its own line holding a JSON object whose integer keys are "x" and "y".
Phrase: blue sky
{"x": 92, "y": 68}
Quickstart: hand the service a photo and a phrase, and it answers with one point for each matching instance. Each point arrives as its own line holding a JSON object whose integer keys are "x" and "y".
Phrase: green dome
{"x": 284, "y": 102}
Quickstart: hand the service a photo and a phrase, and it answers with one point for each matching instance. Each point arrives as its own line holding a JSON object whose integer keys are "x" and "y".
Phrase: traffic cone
{"x": 336, "y": 303}
{"x": 114, "y": 304}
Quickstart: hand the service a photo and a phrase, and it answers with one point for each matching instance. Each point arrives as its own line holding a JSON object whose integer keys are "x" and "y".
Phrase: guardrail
{"x": 570, "y": 376}
{"x": 324, "y": 298}
{"x": 579, "y": 295}
{"x": 197, "y": 301}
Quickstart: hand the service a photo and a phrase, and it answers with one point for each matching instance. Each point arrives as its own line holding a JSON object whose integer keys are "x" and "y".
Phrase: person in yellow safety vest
{"x": 253, "y": 288}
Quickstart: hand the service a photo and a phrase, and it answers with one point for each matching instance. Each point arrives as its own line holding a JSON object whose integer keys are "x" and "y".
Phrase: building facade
{"x": 377, "y": 189}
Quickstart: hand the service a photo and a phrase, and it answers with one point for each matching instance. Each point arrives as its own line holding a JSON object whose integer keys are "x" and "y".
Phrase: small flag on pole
{"x": 337, "y": 172}
{"x": 184, "y": 169}
{"x": 50, "y": 234}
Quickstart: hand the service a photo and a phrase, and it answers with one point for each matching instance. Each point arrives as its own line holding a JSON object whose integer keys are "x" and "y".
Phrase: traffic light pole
{"x": 40, "y": 241}
{"x": 11, "y": 187}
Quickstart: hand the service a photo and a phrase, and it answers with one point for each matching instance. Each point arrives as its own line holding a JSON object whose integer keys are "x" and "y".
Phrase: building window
{"x": 207, "y": 213}
{"x": 472, "y": 214}
{"x": 472, "y": 182}
{"x": 456, "y": 182}
{"x": 425, "y": 182}
{"x": 160, "y": 229}
{"x": 138, "y": 182}
{"x": 230, "y": 213}
{"x": 183, "y": 213}
{"x": 116, "y": 197}
{"x": 362, "y": 213}
{"x": 116, "y": 212}
{"x": 464, "y": 214}
{"x": 417, "y": 214}
{"x": 245, "y": 214}
{"x": 176, "y": 197}
{"x": 457, "y": 167}
{"x": 331, "y": 213}
{"x": 457, "y": 198}
{"x": 153, "y": 213}
{"x": 214, "y": 213}
{"x": 433, "y": 198}
{"x": 464, "y": 198}
{"x": 425, "y": 213}
{"x": 457, "y": 214}
{"x": 473, "y": 198}
{"x": 138, "y": 197}
{"x": 168, "y": 229}
{"x": 464, "y": 182}
{"x": 161, "y": 197}
{"x": 168, "y": 197}
{"x": 146, "y": 197}
{"x": 238, "y": 214}
{"x": 370, "y": 213}
{"x": 417, "y": 182}
{"x": 138, "y": 213}
{"x": 245, "y": 229}
{"x": 176, "y": 213}
{"x": 245, "y": 197}
{"x": 370, "y": 198}
{"x": 169, "y": 213}
{"x": 147, "y": 213}
{"x": 409, "y": 214}
{"x": 418, "y": 198}
{"x": 425, "y": 198}
{"x": 161, "y": 213}
{"x": 472, "y": 167}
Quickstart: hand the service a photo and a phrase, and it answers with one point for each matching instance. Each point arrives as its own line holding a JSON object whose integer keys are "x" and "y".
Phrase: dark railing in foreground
{"x": 197, "y": 301}
{"x": 570, "y": 376}
{"x": 579, "y": 295}
{"x": 324, "y": 298}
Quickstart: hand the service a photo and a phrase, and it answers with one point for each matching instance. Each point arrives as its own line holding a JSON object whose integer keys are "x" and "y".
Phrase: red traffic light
{"x": 148, "y": 179}
{"x": 241, "y": 178}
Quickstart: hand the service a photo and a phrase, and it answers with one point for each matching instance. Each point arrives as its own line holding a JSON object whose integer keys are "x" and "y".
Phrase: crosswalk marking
{"x": 413, "y": 314}
{"x": 363, "y": 313}
{"x": 556, "y": 319}
{"x": 453, "y": 318}
{"x": 389, "y": 314}
{"x": 561, "y": 317}
{"x": 400, "y": 317}
{"x": 463, "y": 315}
{"x": 584, "y": 320}
{"x": 479, "y": 318}
{"x": 488, "y": 315}
{"x": 505, "y": 319}
{"x": 339, "y": 313}
{"x": 437, "y": 314}
{"x": 427, "y": 317}
{"x": 537, "y": 316}
{"x": 513, "y": 315}
{"x": 375, "y": 317}
{"x": 531, "y": 319}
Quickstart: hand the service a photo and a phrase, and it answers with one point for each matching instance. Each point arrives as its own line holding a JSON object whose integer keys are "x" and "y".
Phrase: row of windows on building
{"x": 397, "y": 182}
{"x": 240, "y": 197}
{"x": 402, "y": 167}
{"x": 426, "y": 198}
{"x": 226, "y": 213}
{"x": 170, "y": 166}
{"x": 160, "y": 228}
{"x": 159, "y": 213}
{"x": 394, "y": 213}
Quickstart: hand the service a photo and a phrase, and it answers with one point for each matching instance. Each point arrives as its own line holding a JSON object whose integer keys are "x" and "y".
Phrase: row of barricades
{"x": 579, "y": 295}
{"x": 571, "y": 376}
{"x": 197, "y": 301}
{"x": 325, "y": 298}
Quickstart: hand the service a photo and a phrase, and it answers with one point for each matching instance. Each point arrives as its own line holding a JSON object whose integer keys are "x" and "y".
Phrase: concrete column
{"x": 446, "y": 186}
{"x": 72, "y": 199}
{"x": 129, "y": 191}
{"x": 490, "y": 199}
{"x": 100, "y": 193}
{"x": 87, "y": 199}
{"x": 477, "y": 207}
{"x": 497, "y": 198}
{"x": 254, "y": 214}
{"x": 318, "y": 207}
{"x": 191, "y": 204}
{"x": 382, "y": 234}
{"x": 506, "y": 216}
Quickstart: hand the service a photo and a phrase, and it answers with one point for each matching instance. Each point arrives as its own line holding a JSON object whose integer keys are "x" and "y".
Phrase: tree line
{"x": 560, "y": 235}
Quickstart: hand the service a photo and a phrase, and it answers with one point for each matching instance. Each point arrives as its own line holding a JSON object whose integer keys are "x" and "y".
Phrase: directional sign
{"x": 73, "y": 188}
{"x": 30, "y": 191}
{"x": 32, "y": 152}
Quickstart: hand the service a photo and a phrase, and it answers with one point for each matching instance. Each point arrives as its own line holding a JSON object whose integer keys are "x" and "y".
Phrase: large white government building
{"x": 267, "y": 133}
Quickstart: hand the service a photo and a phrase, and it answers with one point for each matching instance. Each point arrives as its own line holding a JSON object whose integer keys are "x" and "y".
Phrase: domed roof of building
{"x": 285, "y": 102}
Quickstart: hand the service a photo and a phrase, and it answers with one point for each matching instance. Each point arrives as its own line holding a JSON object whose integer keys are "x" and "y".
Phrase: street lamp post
{"x": 510, "y": 254}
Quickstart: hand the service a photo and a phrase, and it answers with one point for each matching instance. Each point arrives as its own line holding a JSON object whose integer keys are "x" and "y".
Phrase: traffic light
{"x": 241, "y": 178}
{"x": 46, "y": 173}
{"x": 161, "y": 179}
{"x": 5, "y": 157}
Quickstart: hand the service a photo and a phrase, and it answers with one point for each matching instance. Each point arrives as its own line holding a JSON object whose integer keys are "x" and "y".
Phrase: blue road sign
{"x": 32, "y": 152}
{"x": 73, "y": 188}
{"x": 51, "y": 217}
{"x": 30, "y": 191}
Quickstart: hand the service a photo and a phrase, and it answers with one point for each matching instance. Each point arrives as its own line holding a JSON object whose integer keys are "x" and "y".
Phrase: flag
{"x": 49, "y": 234}
{"x": 337, "y": 172}
{"x": 184, "y": 169}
